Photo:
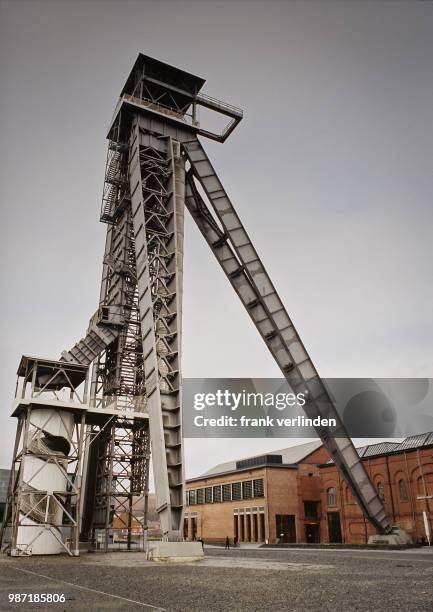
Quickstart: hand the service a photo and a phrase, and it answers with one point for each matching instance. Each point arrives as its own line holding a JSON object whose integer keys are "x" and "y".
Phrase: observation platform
{"x": 171, "y": 95}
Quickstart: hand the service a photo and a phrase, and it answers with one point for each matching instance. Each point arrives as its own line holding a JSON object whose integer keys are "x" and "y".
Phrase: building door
{"x": 242, "y": 525}
{"x": 193, "y": 528}
{"x": 286, "y": 528}
{"x": 248, "y": 521}
{"x": 334, "y": 528}
{"x": 255, "y": 528}
{"x": 262, "y": 527}
{"x": 185, "y": 528}
{"x": 312, "y": 534}
{"x": 235, "y": 527}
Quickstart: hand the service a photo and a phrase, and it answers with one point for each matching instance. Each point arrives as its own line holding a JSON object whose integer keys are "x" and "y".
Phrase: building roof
{"x": 166, "y": 73}
{"x": 295, "y": 454}
{"x": 386, "y": 448}
{"x": 376, "y": 449}
{"x": 290, "y": 456}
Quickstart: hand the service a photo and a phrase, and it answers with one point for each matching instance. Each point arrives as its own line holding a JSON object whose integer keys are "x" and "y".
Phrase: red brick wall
{"x": 282, "y": 497}
{"x": 413, "y": 467}
{"x": 309, "y": 490}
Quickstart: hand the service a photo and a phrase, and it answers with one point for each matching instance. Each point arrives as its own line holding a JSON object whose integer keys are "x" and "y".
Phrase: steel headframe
{"x": 155, "y": 164}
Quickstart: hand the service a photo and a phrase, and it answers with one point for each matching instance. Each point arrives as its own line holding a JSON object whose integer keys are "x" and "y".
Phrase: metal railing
{"x": 201, "y": 97}
{"x": 160, "y": 108}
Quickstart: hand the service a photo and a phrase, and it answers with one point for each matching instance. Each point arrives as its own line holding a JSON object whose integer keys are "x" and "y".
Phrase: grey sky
{"x": 330, "y": 172}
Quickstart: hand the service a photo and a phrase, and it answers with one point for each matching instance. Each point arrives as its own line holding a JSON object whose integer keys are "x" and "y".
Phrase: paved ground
{"x": 235, "y": 580}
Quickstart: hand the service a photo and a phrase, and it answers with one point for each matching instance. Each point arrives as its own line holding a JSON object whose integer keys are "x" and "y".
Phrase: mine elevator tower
{"x": 156, "y": 168}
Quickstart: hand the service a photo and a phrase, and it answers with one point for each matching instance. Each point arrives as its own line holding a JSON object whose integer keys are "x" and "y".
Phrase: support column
{"x": 155, "y": 174}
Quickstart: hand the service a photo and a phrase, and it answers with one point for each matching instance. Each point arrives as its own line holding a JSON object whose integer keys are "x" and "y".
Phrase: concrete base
{"x": 397, "y": 537}
{"x": 177, "y": 551}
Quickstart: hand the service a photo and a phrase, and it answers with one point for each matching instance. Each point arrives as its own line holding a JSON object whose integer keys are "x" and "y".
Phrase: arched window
{"x": 425, "y": 484}
{"x": 332, "y": 496}
{"x": 381, "y": 491}
{"x": 402, "y": 490}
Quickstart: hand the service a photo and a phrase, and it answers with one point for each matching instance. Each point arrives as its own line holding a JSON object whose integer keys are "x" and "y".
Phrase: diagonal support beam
{"x": 235, "y": 253}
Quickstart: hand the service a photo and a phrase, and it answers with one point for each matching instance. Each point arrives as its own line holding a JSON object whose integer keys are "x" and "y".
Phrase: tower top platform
{"x": 183, "y": 86}
{"x": 170, "y": 96}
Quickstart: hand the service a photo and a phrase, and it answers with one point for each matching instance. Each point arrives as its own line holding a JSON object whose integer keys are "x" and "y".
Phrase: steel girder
{"x": 235, "y": 253}
{"x": 156, "y": 176}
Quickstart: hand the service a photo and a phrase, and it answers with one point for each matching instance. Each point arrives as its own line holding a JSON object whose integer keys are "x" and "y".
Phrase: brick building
{"x": 258, "y": 499}
{"x": 402, "y": 474}
{"x": 296, "y": 495}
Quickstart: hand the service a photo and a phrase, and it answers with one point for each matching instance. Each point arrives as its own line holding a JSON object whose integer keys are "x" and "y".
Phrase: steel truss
{"x": 118, "y": 453}
{"x": 120, "y": 502}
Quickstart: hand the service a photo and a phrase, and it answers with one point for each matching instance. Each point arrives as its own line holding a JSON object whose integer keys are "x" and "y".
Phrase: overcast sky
{"x": 330, "y": 171}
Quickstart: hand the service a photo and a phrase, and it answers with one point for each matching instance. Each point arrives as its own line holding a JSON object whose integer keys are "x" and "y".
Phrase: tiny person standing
{"x": 227, "y": 542}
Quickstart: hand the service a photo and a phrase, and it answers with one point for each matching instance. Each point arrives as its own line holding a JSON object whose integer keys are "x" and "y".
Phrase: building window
{"x": 217, "y": 493}
{"x": 208, "y": 495}
{"x": 311, "y": 509}
{"x": 425, "y": 483}
{"x": 192, "y": 498}
{"x": 258, "y": 487}
{"x": 402, "y": 490}
{"x": 381, "y": 491}
{"x": 247, "y": 489}
{"x": 332, "y": 496}
{"x": 227, "y": 492}
{"x": 236, "y": 491}
{"x": 200, "y": 496}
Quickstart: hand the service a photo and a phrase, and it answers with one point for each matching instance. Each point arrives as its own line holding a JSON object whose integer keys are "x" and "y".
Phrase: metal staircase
{"x": 96, "y": 340}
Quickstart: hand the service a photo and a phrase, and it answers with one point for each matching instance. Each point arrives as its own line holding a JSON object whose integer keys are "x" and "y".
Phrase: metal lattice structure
{"x": 156, "y": 167}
